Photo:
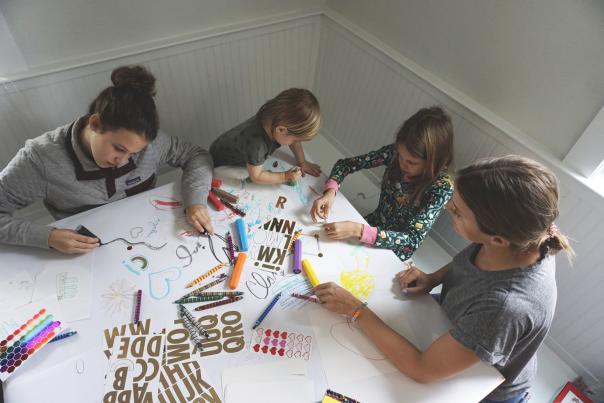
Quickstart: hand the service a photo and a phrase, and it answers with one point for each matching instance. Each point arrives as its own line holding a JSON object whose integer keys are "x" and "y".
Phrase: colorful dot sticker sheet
{"x": 281, "y": 343}
{"x": 25, "y": 341}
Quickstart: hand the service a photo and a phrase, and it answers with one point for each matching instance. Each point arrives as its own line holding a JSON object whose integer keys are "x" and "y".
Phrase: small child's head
{"x": 293, "y": 115}
{"x": 513, "y": 201}
{"x": 424, "y": 147}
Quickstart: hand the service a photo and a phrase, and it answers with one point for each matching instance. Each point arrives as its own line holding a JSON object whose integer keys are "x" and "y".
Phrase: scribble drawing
{"x": 350, "y": 338}
{"x": 118, "y": 298}
{"x": 67, "y": 286}
{"x": 165, "y": 203}
{"x": 135, "y": 231}
{"x": 160, "y": 282}
{"x": 359, "y": 282}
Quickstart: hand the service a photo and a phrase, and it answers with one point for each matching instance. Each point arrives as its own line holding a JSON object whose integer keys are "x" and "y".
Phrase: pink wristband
{"x": 369, "y": 234}
{"x": 331, "y": 184}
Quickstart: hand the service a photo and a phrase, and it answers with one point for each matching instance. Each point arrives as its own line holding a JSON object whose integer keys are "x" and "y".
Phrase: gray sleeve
{"x": 196, "y": 164}
{"x": 491, "y": 331}
{"x": 22, "y": 183}
{"x": 256, "y": 152}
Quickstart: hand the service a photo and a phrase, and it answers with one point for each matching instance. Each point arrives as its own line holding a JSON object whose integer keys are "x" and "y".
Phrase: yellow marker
{"x": 310, "y": 273}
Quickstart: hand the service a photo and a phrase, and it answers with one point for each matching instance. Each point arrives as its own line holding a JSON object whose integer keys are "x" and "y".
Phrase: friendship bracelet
{"x": 357, "y": 312}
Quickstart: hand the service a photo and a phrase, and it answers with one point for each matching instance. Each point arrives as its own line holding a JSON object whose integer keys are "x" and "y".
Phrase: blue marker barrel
{"x": 297, "y": 256}
{"x": 242, "y": 231}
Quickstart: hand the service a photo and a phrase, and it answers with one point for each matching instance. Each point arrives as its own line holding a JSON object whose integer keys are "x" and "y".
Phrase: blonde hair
{"x": 297, "y": 109}
{"x": 428, "y": 135}
{"x": 516, "y": 198}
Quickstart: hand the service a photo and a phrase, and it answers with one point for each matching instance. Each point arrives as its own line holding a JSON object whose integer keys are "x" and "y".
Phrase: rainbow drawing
{"x": 25, "y": 341}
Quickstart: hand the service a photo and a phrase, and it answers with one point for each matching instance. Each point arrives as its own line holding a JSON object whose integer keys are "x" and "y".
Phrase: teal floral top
{"x": 400, "y": 225}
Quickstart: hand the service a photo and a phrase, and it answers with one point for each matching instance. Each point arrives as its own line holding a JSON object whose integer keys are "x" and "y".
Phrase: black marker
{"x": 86, "y": 232}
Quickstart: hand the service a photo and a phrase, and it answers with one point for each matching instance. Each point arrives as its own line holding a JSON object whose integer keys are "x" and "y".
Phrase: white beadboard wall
{"x": 367, "y": 91}
{"x": 207, "y": 85}
{"x": 204, "y": 86}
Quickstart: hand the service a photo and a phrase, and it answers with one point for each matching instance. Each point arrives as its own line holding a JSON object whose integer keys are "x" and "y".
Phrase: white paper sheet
{"x": 264, "y": 371}
{"x": 271, "y": 391}
{"x": 70, "y": 282}
{"x": 347, "y": 353}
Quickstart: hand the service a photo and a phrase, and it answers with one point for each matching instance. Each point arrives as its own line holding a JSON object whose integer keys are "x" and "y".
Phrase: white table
{"x": 73, "y": 370}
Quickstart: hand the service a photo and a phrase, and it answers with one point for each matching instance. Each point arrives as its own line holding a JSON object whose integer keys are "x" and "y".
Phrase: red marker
{"x": 216, "y": 183}
{"x": 215, "y": 201}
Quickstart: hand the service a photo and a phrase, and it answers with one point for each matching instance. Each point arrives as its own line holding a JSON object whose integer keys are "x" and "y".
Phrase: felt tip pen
{"x": 310, "y": 273}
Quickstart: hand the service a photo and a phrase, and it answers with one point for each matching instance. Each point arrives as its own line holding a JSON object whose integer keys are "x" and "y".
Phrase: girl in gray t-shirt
{"x": 499, "y": 293}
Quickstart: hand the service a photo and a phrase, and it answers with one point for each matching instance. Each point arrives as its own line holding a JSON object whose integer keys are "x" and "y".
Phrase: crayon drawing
{"x": 160, "y": 282}
{"x": 359, "y": 282}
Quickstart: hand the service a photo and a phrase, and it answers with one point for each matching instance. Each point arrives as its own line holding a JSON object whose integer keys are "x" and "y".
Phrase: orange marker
{"x": 237, "y": 270}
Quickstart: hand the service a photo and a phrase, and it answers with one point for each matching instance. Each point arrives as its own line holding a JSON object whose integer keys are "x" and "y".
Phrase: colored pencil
{"x": 63, "y": 336}
{"x": 218, "y": 303}
{"x": 205, "y": 275}
{"x": 200, "y": 290}
{"x": 340, "y": 397}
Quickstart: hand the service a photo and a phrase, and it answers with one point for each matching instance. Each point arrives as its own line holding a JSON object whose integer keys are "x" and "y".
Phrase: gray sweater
{"x": 53, "y": 167}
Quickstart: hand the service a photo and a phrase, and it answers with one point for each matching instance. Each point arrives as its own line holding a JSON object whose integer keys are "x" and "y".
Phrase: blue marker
{"x": 243, "y": 246}
{"x": 266, "y": 311}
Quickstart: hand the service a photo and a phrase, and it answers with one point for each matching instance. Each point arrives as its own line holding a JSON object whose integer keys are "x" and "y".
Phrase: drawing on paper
{"x": 354, "y": 340}
{"x": 160, "y": 282}
{"x": 67, "y": 286}
{"x": 136, "y": 231}
{"x": 359, "y": 282}
{"x": 165, "y": 203}
{"x": 118, "y": 298}
{"x": 281, "y": 343}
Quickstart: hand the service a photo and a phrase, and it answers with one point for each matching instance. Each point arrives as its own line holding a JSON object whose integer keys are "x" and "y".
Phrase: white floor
{"x": 553, "y": 373}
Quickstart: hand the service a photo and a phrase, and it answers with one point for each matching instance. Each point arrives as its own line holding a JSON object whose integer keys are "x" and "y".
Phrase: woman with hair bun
{"x": 111, "y": 153}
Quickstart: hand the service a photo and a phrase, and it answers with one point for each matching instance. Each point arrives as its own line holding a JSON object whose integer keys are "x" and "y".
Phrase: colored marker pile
{"x": 25, "y": 341}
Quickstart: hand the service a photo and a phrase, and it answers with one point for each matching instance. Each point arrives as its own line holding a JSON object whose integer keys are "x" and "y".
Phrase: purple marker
{"x": 297, "y": 255}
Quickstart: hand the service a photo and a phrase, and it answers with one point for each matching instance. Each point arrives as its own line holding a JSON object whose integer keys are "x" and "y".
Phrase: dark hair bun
{"x": 135, "y": 77}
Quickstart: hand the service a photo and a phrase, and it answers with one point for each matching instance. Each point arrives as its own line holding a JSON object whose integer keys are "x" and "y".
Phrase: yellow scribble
{"x": 359, "y": 282}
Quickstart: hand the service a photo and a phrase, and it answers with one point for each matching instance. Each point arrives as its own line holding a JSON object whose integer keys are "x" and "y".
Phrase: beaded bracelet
{"x": 357, "y": 312}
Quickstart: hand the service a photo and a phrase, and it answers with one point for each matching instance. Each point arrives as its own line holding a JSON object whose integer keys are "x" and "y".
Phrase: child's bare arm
{"x": 259, "y": 176}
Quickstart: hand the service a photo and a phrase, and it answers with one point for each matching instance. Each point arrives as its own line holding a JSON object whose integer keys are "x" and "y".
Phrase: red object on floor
{"x": 570, "y": 393}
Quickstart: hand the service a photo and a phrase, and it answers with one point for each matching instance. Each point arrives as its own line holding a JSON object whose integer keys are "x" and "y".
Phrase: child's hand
{"x": 310, "y": 168}
{"x": 199, "y": 218}
{"x": 336, "y": 299}
{"x": 69, "y": 241}
{"x": 322, "y": 206}
{"x": 414, "y": 282}
{"x": 343, "y": 230}
{"x": 293, "y": 174}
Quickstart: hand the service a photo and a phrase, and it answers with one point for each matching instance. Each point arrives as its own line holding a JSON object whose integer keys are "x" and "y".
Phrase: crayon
{"x": 235, "y": 210}
{"x": 266, "y": 311}
{"x": 218, "y": 303}
{"x": 200, "y": 290}
{"x": 137, "y": 306}
{"x": 224, "y": 195}
{"x": 310, "y": 298}
{"x": 231, "y": 247}
{"x": 310, "y": 273}
{"x": 242, "y": 231}
{"x": 237, "y": 270}
{"x": 205, "y": 275}
{"x": 186, "y": 315}
{"x": 198, "y": 298}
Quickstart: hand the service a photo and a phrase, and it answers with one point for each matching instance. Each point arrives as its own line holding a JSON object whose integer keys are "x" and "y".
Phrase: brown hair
{"x": 428, "y": 134}
{"x": 297, "y": 109}
{"x": 128, "y": 104}
{"x": 515, "y": 198}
